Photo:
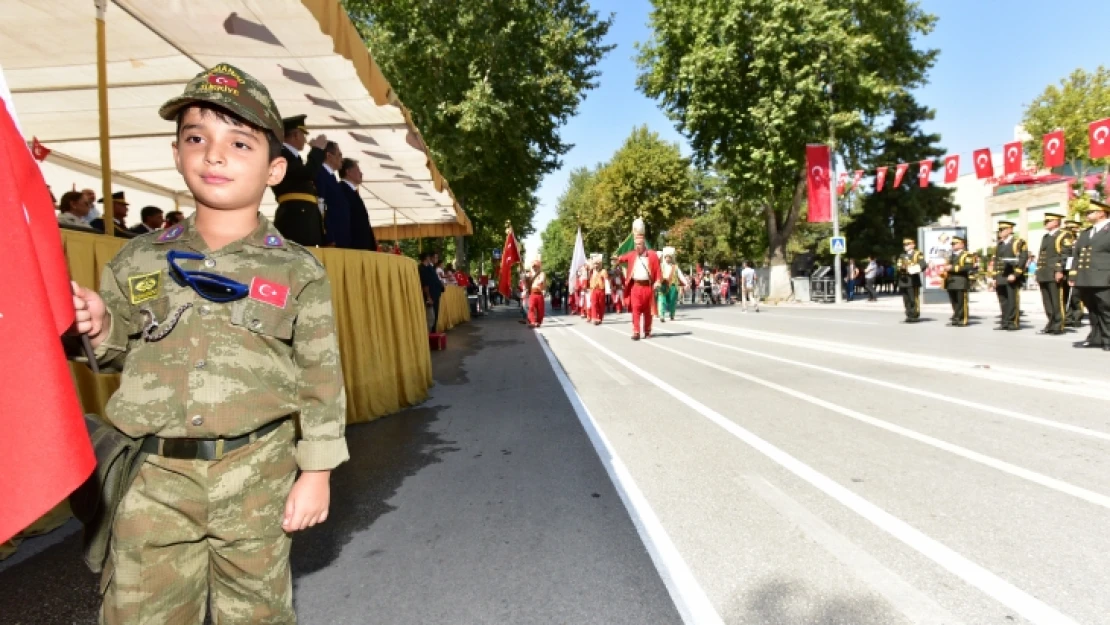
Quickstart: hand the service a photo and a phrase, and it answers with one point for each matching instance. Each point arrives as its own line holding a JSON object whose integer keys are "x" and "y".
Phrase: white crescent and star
{"x": 818, "y": 172}
{"x": 1053, "y": 144}
{"x": 981, "y": 161}
{"x": 1101, "y": 133}
{"x": 266, "y": 290}
{"x": 951, "y": 165}
{"x": 1011, "y": 153}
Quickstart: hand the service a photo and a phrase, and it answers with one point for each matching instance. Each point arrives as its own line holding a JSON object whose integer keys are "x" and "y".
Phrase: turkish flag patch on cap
{"x": 271, "y": 293}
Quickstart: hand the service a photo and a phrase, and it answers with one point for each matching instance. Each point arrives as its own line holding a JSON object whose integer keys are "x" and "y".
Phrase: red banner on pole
{"x": 509, "y": 257}
{"x": 951, "y": 168}
{"x": 1053, "y": 148}
{"x": 899, "y": 173}
{"x": 925, "y": 169}
{"x": 1099, "y": 133}
{"x": 880, "y": 178}
{"x": 1012, "y": 158}
{"x": 818, "y": 168}
{"x": 984, "y": 168}
{"x": 856, "y": 178}
{"x": 38, "y": 150}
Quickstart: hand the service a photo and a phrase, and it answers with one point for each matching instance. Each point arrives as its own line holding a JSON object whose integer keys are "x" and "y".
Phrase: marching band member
{"x": 642, "y": 277}
{"x": 1010, "y": 257}
{"x": 1056, "y": 248}
{"x": 911, "y": 264}
{"x": 1090, "y": 274}
{"x": 599, "y": 279}
{"x": 616, "y": 279}
{"x": 958, "y": 274}
{"x": 537, "y": 282}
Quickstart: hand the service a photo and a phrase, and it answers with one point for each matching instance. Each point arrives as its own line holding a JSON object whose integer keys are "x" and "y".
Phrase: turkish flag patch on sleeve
{"x": 271, "y": 293}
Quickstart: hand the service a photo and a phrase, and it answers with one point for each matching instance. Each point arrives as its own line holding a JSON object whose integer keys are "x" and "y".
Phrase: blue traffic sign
{"x": 838, "y": 245}
{"x": 496, "y": 254}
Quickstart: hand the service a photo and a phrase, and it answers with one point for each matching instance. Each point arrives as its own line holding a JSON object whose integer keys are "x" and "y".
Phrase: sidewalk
{"x": 487, "y": 504}
{"x": 982, "y": 303}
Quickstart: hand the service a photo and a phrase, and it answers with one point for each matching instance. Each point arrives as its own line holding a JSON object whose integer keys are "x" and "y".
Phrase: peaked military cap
{"x": 1051, "y": 216}
{"x": 1006, "y": 224}
{"x": 960, "y": 239}
{"x": 908, "y": 240}
{"x": 1098, "y": 206}
{"x": 296, "y": 122}
{"x": 116, "y": 197}
{"x": 233, "y": 90}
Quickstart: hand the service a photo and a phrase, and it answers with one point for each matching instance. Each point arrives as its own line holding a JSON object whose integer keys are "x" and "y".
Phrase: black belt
{"x": 205, "y": 448}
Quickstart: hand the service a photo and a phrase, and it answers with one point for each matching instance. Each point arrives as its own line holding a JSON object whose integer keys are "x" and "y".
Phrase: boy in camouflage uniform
{"x": 224, "y": 333}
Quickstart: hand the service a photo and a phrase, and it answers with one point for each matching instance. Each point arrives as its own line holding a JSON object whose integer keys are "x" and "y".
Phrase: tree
{"x": 557, "y": 238}
{"x": 1080, "y": 99}
{"x": 888, "y": 216}
{"x": 489, "y": 84}
{"x": 751, "y": 82}
{"x": 647, "y": 178}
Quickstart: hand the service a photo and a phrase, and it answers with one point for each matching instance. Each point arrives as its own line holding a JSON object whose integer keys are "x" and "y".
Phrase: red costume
{"x": 597, "y": 296}
{"x": 641, "y": 293}
{"x": 537, "y": 281}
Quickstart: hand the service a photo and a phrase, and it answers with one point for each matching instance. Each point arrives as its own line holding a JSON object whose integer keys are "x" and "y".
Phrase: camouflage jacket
{"x": 224, "y": 370}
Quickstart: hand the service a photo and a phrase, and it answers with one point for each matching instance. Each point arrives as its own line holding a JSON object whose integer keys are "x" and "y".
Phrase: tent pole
{"x": 102, "y": 100}
{"x": 396, "y": 242}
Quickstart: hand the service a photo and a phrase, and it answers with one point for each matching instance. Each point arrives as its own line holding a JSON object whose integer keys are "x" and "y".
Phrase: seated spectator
{"x": 73, "y": 209}
{"x": 173, "y": 218}
{"x": 152, "y": 220}
{"x": 119, "y": 216}
{"x": 449, "y": 274}
{"x": 438, "y": 264}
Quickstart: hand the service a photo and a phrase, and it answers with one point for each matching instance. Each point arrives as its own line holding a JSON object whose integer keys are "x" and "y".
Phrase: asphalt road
{"x": 830, "y": 465}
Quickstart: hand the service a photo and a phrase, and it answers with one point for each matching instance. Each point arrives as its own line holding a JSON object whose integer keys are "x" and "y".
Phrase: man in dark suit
{"x": 152, "y": 220}
{"x": 362, "y": 235}
{"x": 337, "y": 214}
{"x": 299, "y": 216}
{"x": 1090, "y": 274}
{"x": 119, "y": 216}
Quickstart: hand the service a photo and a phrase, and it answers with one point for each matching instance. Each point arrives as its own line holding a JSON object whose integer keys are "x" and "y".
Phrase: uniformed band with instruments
{"x": 1073, "y": 274}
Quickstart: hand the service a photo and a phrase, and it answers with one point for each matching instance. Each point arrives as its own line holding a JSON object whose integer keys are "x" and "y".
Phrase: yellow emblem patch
{"x": 145, "y": 287}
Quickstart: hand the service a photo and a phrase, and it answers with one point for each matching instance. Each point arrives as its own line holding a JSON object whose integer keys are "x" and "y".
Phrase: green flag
{"x": 628, "y": 244}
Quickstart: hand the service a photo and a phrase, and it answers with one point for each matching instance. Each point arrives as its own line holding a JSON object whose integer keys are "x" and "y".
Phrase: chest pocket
{"x": 264, "y": 319}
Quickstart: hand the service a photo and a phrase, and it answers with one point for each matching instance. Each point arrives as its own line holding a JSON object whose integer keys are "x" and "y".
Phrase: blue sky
{"x": 995, "y": 57}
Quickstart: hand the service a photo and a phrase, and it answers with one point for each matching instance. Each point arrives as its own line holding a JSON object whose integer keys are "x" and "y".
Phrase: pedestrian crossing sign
{"x": 838, "y": 245}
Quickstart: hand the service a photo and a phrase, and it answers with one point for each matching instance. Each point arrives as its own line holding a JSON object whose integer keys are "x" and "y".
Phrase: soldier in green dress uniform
{"x": 959, "y": 272}
{"x": 911, "y": 266}
{"x": 1056, "y": 247}
{"x": 1073, "y": 308}
{"x": 299, "y": 216}
{"x": 1010, "y": 257}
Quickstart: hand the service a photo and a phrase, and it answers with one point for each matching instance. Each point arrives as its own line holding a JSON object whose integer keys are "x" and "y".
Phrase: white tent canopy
{"x": 306, "y": 52}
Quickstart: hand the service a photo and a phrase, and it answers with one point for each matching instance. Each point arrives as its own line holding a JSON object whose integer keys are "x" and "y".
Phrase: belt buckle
{"x": 181, "y": 448}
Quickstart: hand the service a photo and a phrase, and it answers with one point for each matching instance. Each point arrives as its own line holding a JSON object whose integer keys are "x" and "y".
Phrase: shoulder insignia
{"x": 273, "y": 240}
{"x": 144, "y": 287}
{"x": 172, "y": 234}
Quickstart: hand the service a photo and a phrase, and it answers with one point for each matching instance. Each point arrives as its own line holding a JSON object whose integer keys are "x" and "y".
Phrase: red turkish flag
{"x": 38, "y": 150}
{"x": 1053, "y": 148}
{"x": 1099, "y": 133}
{"x": 984, "y": 167}
{"x": 44, "y": 450}
{"x": 951, "y": 168}
{"x": 880, "y": 178}
{"x": 509, "y": 257}
{"x": 268, "y": 292}
{"x": 818, "y": 170}
{"x": 1011, "y": 153}
{"x": 899, "y": 172}
{"x": 842, "y": 183}
{"x": 856, "y": 178}
{"x": 925, "y": 169}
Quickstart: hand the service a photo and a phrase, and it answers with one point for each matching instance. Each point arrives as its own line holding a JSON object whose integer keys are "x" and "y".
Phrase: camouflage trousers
{"x": 193, "y": 532}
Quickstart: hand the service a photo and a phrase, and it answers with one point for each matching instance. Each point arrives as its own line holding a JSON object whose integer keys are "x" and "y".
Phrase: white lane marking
{"x": 917, "y": 607}
{"x": 1061, "y": 486}
{"x": 1030, "y": 378}
{"x": 689, "y": 598}
{"x": 994, "y": 586}
{"x": 1002, "y": 412}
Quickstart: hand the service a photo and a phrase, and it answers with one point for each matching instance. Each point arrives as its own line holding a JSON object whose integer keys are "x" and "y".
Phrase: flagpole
{"x": 833, "y": 198}
{"x": 102, "y": 100}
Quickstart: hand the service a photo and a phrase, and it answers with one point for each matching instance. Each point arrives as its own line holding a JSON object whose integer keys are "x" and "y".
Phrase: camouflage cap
{"x": 232, "y": 89}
